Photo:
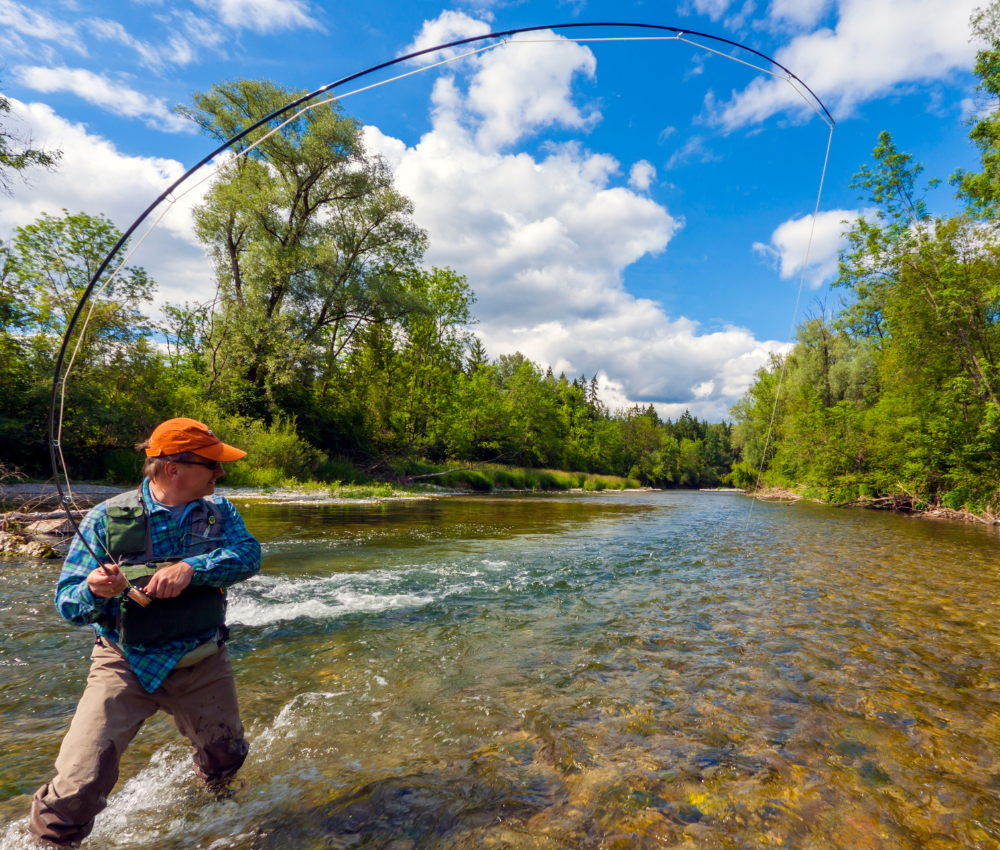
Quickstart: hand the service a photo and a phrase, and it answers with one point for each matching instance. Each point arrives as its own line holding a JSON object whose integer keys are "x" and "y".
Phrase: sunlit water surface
{"x": 622, "y": 670}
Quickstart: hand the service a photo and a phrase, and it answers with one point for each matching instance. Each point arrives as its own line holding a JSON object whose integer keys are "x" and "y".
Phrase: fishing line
{"x": 57, "y": 459}
{"x": 791, "y": 333}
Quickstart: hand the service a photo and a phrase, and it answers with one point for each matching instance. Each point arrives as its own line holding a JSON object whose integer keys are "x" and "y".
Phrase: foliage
{"x": 327, "y": 350}
{"x": 17, "y": 154}
{"x": 310, "y": 240}
{"x": 899, "y": 392}
{"x": 112, "y": 396}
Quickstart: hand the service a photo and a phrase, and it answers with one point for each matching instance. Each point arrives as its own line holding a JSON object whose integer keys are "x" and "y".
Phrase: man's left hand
{"x": 169, "y": 581}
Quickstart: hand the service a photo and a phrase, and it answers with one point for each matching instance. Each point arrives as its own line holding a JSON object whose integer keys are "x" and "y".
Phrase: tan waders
{"x": 202, "y": 700}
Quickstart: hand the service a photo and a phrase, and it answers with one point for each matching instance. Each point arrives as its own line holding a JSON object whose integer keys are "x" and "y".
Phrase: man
{"x": 182, "y": 545}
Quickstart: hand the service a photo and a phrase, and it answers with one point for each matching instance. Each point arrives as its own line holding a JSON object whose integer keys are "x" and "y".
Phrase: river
{"x": 574, "y": 671}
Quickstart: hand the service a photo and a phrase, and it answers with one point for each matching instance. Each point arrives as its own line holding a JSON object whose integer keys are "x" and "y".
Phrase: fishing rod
{"x": 59, "y": 380}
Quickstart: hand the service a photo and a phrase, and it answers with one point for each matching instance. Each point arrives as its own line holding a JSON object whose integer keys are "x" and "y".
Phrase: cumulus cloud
{"x": 263, "y": 16}
{"x": 642, "y": 175}
{"x": 788, "y": 244}
{"x": 97, "y": 89}
{"x": 95, "y": 177}
{"x": 523, "y": 88}
{"x": 876, "y": 46}
{"x": 448, "y": 26}
{"x": 545, "y": 240}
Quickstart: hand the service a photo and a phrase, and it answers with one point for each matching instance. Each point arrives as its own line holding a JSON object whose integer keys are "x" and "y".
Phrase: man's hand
{"x": 106, "y": 584}
{"x": 169, "y": 581}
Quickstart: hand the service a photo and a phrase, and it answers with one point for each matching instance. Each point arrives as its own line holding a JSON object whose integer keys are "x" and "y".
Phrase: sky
{"x": 638, "y": 210}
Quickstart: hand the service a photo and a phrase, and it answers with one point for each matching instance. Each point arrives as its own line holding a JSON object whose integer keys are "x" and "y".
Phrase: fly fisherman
{"x": 182, "y": 546}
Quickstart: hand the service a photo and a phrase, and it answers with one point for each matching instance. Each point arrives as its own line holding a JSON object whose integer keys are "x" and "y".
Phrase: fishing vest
{"x": 198, "y": 608}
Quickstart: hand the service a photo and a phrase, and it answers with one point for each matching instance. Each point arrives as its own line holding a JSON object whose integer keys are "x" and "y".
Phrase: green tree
{"x": 17, "y": 154}
{"x": 114, "y": 392}
{"x": 310, "y": 239}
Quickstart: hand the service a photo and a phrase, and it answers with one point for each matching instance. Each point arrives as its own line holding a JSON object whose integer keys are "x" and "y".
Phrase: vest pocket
{"x": 196, "y": 610}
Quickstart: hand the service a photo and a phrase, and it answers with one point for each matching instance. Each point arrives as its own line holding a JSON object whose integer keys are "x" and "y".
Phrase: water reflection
{"x": 625, "y": 670}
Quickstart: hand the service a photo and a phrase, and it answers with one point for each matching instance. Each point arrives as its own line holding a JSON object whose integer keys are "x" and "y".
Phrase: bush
{"x": 242, "y": 474}
{"x": 276, "y": 450}
{"x": 469, "y": 477}
{"x": 743, "y": 476}
{"x": 123, "y": 466}
{"x": 958, "y": 498}
{"x": 339, "y": 469}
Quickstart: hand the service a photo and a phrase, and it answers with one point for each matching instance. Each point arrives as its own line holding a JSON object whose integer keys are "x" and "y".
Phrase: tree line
{"x": 896, "y": 390}
{"x": 325, "y": 342}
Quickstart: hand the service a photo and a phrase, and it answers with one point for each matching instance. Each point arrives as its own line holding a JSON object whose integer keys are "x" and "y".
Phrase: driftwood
{"x": 446, "y": 472}
{"x": 33, "y": 516}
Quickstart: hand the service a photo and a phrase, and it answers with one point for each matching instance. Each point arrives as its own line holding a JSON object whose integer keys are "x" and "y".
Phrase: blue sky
{"x": 635, "y": 209}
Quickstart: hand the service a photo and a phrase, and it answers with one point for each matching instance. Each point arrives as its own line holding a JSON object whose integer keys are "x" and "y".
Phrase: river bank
{"x": 34, "y": 526}
{"x": 904, "y": 503}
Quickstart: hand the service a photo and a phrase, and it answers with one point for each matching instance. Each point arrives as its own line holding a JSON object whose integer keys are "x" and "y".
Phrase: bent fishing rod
{"x": 59, "y": 380}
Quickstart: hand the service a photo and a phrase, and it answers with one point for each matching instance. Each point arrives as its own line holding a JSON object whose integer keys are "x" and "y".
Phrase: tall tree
{"x": 310, "y": 239}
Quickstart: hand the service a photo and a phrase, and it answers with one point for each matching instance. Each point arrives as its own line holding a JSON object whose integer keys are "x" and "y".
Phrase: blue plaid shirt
{"x": 236, "y": 559}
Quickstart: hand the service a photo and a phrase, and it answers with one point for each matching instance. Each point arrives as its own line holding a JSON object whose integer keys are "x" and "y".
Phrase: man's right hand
{"x": 106, "y": 584}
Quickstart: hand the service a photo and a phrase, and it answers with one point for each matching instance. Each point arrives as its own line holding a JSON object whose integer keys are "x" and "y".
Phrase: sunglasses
{"x": 212, "y": 464}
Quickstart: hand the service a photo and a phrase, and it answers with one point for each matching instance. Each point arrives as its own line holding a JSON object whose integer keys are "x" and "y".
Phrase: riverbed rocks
{"x": 19, "y": 546}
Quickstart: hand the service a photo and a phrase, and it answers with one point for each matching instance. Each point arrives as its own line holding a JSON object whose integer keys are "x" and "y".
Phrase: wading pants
{"x": 202, "y": 701}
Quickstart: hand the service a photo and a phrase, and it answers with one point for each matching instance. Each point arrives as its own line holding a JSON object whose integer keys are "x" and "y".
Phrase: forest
{"x": 895, "y": 390}
{"x": 327, "y": 348}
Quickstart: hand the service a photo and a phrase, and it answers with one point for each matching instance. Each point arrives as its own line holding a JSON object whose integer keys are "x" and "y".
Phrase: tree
{"x": 310, "y": 240}
{"x": 477, "y": 356}
{"x": 17, "y": 153}
{"x": 981, "y": 190}
{"x": 115, "y": 389}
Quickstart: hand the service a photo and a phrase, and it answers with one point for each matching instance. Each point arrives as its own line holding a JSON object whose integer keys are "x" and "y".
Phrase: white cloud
{"x": 95, "y": 177}
{"x": 545, "y": 240}
{"x": 263, "y": 16}
{"x": 522, "y": 88}
{"x": 693, "y": 149}
{"x": 877, "y": 46}
{"x": 803, "y": 13}
{"x": 116, "y": 98}
{"x": 790, "y": 240}
{"x": 642, "y": 175}
{"x": 114, "y": 31}
{"x": 715, "y": 9}
{"x": 448, "y": 26}
{"x": 17, "y": 19}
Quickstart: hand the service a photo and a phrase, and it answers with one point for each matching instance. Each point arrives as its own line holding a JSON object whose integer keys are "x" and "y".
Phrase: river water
{"x": 594, "y": 671}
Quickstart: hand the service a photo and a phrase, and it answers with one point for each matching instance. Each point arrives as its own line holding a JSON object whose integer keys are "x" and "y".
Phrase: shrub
{"x": 277, "y": 446}
{"x": 469, "y": 477}
{"x": 123, "y": 466}
{"x": 340, "y": 469}
{"x": 241, "y": 474}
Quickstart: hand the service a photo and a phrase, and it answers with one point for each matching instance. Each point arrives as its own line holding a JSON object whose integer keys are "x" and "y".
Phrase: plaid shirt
{"x": 236, "y": 559}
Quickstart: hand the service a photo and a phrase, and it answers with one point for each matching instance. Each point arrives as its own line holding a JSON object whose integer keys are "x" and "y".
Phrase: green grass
{"x": 339, "y": 478}
{"x": 496, "y": 477}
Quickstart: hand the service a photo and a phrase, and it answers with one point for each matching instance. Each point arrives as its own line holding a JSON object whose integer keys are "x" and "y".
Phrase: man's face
{"x": 186, "y": 481}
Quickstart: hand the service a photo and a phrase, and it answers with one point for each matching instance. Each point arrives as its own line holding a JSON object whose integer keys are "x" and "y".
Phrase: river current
{"x": 576, "y": 671}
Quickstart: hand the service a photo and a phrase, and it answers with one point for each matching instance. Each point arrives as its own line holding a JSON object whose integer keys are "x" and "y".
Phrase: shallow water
{"x": 621, "y": 670}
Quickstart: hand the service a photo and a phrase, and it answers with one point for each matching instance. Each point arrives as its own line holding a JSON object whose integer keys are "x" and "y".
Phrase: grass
{"x": 340, "y": 479}
{"x": 491, "y": 476}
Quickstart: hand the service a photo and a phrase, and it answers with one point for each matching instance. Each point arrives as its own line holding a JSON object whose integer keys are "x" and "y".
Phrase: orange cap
{"x": 186, "y": 435}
